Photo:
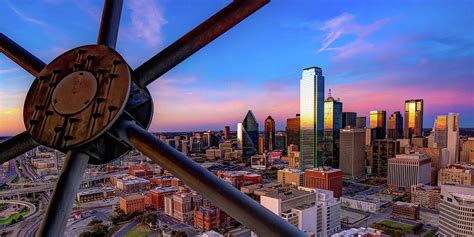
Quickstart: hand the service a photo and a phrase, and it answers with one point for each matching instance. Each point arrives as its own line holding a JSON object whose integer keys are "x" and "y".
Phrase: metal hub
{"x": 74, "y": 93}
{"x": 77, "y": 97}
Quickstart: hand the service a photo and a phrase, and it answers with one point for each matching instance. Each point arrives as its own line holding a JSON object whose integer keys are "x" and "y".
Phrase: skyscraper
{"x": 413, "y": 118}
{"x": 269, "y": 134}
{"x": 395, "y": 125}
{"x": 311, "y": 117}
{"x": 349, "y": 119}
{"x": 247, "y": 135}
{"x": 293, "y": 130}
{"x": 226, "y": 132}
{"x": 361, "y": 122}
{"x": 453, "y": 138}
{"x": 378, "y": 121}
{"x": 352, "y": 152}
{"x": 440, "y": 131}
{"x": 332, "y": 125}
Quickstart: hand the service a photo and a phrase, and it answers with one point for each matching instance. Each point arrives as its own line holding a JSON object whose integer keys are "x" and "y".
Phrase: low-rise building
{"x": 158, "y": 194}
{"x": 457, "y": 174}
{"x": 363, "y": 203}
{"x": 132, "y": 203}
{"x": 359, "y": 232}
{"x": 207, "y": 218}
{"x": 131, "y": 184}
{"x": 406, "y": 210}
{"x": 291, "y": 176}
{"x": 426, "y": 195}
{"x": 324, "y": 178}
{"x": 94, "y": 194}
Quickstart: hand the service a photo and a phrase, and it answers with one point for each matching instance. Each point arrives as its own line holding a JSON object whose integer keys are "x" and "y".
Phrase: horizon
{"x": 372, "y": 58}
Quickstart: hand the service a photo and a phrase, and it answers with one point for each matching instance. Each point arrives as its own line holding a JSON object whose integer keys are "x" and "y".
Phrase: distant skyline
{"x": 374, "y": 55}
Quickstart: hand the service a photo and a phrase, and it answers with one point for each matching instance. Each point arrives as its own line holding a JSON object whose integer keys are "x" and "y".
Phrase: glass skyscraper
{"x": 349, "y": 119}
{"x": 247, "y": 134}
{"x": 378, "y": 121}
{"x": 413, "y": 118}
{"x": 311, "y": 118}
{"x": 332, "y": 125}
{"x": 395, "y": 125}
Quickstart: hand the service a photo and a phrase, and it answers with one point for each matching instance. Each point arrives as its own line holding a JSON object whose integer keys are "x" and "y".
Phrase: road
{"x": 126, "y": 228}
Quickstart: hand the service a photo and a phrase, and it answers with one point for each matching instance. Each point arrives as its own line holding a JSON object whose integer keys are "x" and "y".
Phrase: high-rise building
{"x": 261, "y": 145}
{"x": 349, "y": 119}
{"x": 456, "y": 213}
{"x": 467, "y": 150}
{"x": 293, "y": 130}
{"x": 378, "y": 121}
{"x": 453, "y": 138}
{"x": 361, "y": 122}
{"x": 226, "y": 132}
{"x": 395, "y": 125}
{"x": 332, "y": 125}
{"x": 406, "y": 170}
{"x": 380, "y": 151}
{"x": 352, "y": 152}
{"x": 324, "y": 178}
{"x": 413, "y": 125}
{"x": 311, "y": 118}
{"x": 269, "y": 134}
{"x": 440, "y": 131}
{"x": 247, "y": 135}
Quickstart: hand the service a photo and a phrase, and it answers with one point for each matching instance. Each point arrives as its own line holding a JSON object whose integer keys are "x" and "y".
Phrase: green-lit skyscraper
{"x": 311, "y": 118}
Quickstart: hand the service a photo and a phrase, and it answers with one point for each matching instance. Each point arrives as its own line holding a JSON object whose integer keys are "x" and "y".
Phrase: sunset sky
{"x": 374, "y": 55}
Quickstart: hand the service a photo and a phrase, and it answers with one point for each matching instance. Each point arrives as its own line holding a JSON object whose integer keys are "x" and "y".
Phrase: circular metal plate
{"x": 77, "y": 97}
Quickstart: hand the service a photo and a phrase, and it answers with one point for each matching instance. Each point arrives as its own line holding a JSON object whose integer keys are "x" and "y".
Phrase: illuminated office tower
{"x": 453, "y": 138}
{"x": 378, "y": 121}
{"x": 349, "y": 119}
{"x": 395, "y": 125}
{"x": 269, "y": 134}
{"x": 361, "y": 122}
{"x": 247, "y": 135}
{"x": 440, "y": 131}
{"x": 332, "y": 125}
{"x": 413, "y": 126}
{"x": 311, "y": 118}
{"x": 293, "y": 130}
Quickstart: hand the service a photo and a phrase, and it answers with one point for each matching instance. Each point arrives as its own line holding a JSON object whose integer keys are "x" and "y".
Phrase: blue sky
{"x": 374, "y": 54}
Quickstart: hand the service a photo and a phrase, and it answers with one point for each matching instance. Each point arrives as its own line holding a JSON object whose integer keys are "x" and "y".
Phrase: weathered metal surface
{"x": 232, "y": 201}
{"x": 60, "y": 205}
{"x": 109, "y": 25}
{"x": 20, "y": 56}
{"x": 16, "y": 146}
{"x": 196, "y": 39}
{"x": 60, "y": 109}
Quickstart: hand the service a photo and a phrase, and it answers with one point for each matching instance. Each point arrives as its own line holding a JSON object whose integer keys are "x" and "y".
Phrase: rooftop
{"x": 324, "y": 169}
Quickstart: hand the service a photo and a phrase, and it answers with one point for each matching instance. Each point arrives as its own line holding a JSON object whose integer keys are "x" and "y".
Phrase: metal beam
{"x": 200, "y": 36}
{"x": 21, "y": 56}
{"x": 16, "y": 146}
{"x": 110, "y": 23}
{"x": 232, "y": 201}
{"x": 64, "y": 193}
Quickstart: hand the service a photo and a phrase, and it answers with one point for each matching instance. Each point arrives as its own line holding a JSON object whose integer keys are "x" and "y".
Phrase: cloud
{"x": 25, "y": 17}
{"x": 346, "y": 25}
{"x": 147, "y": 20}
{"x": 10, "y": 70}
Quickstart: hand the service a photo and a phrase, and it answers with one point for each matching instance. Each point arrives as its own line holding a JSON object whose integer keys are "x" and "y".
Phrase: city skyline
{"x": 350, "y": 46}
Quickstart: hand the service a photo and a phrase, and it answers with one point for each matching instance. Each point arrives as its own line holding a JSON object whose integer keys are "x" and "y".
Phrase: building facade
{"x": 247, "y": 135}
{"x": 456, "y": 213}
{"x": 425, "y": 195}
{"x": 349, "y": 119}
{"x": 132, "y": 203}
{"x": 352, "y": 152}
{"x": 457, "y": 174}
{"x": 378, "y": 124}
{"x": 361, "y": 122}
{"x": 406, "y": 170}
{"x": 380, "y": 151}
{"x": 332, "y": 125}
{"x": 293, "y": 130}
{"x": 324, "y": 178}
{"x": 291, "y": 176}
{"x": 269, "y": 134}
{"x": 413, "y": 125}
{"x": 311, "y": 118}
{"x": 406, "y": 210}
{"x": 395, "y": 125}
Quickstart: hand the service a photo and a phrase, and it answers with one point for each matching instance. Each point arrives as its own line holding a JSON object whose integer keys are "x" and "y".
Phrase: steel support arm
{"x": 20, "y": 56}
{"x": 16, "y": 146}
{"x": 199, "y": 37}
{"x": 64, "y": 193}
{"x": 232, "y": 201}
{"x": 110, "y": 23}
